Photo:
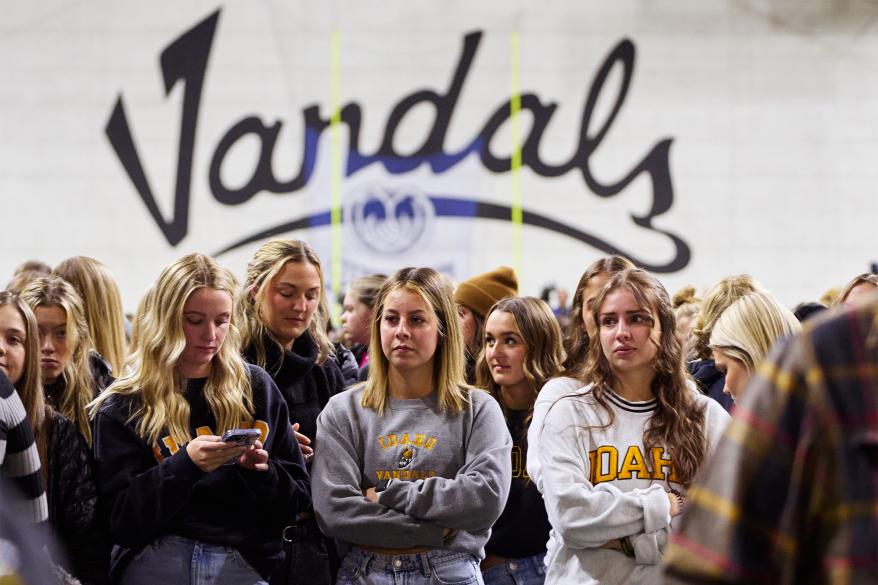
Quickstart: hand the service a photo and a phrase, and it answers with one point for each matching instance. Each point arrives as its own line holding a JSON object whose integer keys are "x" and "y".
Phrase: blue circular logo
{"x": 389, "y": 219}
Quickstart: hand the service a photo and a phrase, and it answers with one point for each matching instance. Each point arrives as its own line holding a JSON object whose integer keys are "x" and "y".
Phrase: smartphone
{"x": 241, "y": 436}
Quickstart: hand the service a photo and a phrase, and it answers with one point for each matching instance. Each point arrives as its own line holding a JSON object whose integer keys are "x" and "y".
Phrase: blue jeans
{"x": 442, "y": 567}
{"x": 174, "y": 560}
{"x": 526, "y": 571}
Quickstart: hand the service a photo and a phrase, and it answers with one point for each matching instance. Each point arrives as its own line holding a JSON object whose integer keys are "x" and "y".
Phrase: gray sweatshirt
{"x": 446, "y": 471}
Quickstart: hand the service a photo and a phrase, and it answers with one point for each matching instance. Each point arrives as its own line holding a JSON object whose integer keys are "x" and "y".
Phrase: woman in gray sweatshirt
{"x": 412, "y": 468}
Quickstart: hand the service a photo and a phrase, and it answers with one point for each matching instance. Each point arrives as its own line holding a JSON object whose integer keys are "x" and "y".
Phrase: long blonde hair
{"x": 678, "y": 422}
{"x": 268, "y": 261}
{"x": 748, "y": 328}
{"x": 103, "y": 306}
{"x": 78, "y": 378}
{"x": 448, "y": 360}
{"x": 153, "y": 376}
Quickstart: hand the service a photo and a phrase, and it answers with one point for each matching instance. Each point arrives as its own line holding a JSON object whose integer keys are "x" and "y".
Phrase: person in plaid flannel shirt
{"x": 791, "y": 495}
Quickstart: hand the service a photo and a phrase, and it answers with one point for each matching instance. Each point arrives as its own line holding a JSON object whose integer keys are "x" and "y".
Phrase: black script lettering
{"x": 263, "y": 178}
{"x": 183, "y": 60}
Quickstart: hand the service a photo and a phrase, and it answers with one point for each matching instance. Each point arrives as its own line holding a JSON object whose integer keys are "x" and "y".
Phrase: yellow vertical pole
{"x": 515, "y": 121}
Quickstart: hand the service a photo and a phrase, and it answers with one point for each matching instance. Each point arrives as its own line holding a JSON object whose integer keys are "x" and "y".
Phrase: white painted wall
{"x": 772, "y": 108}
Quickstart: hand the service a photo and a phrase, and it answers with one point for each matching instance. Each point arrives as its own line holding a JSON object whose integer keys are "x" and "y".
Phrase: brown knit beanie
{"x": 480, "y": 292}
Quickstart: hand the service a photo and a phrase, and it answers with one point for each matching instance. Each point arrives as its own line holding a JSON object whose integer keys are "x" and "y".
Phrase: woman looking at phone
{"x": 184, "y": 506}
{"x": 413, "y": 467}
{"x": 618, "y": 455}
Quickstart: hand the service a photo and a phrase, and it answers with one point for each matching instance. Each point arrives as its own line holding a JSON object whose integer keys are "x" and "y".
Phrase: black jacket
{"x": 72, "y": 498}
{"x": 305, "y": 386}
{"x": 711, "y": 381}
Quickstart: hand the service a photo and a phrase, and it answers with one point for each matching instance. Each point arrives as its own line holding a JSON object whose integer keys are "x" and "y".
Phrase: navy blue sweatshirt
{"x": 149, "y": 491}
{"x": 523, "y": 528}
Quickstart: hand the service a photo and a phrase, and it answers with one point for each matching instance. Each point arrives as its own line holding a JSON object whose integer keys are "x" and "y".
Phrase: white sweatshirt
{"x": 598, "y": 486}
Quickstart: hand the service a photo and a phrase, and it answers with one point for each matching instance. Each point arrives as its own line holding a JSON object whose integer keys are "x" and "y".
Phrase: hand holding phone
{"x": 242, "y": 437}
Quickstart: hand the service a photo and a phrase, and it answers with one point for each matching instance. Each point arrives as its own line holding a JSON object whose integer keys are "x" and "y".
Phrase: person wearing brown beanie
{"x": 474, "y": 298}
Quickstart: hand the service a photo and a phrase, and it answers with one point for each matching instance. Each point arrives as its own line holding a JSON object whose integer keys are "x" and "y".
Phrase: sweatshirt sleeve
{"x": 341, "y": 509}
{"x": 586, "y": 515}
{"x": 474, "y": 498}
{"x": 286, "y": 487}
{"x": 140, "y": 497}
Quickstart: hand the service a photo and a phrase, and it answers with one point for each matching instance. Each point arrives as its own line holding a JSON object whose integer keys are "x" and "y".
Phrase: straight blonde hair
{"x": 78, "y": 377}
{"x": 750, "y": 326}
{"x": 268, "y": 261}
{"x": 448, "y": 377}
{"x": 153, "y": 376}
{"x": 103, "y": 306}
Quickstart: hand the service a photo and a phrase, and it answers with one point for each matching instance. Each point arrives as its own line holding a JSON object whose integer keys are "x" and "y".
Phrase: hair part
{"x": 269, "y": 261}
{"x": 678, "y": 423}
{"x": 152, "y": 375}
{"x": 448, "y": 361}
{"x": 864, "y": 278}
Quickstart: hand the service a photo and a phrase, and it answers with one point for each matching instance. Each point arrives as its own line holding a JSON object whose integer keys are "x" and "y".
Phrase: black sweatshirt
{"x": 523, "y": 528}
{"x": 305, "y": 386}
{"x": 154, "y": 490}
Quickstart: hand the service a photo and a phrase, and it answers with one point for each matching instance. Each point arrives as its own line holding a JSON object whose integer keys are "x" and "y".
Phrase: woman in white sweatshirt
{"x": 617, "y": 456}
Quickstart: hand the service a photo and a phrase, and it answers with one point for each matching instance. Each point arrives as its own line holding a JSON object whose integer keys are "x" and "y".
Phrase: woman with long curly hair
{"x": 183, "y": 503}
{"x": 618, "y": 455}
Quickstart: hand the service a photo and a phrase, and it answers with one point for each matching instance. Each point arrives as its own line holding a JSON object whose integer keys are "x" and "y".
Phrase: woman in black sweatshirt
{"x": 181, "y": 502}
{"x": 283, "y": 311}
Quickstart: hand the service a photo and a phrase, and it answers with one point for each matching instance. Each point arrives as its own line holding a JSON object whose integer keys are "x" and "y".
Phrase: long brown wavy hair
{"x": 576, "y": 341}
{"x": 678, "y": 422}
{"x": 541, "y": 334}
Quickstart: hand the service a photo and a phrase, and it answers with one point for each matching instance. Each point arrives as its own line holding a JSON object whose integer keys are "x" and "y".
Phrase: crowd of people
{"x": 446, "y": 433}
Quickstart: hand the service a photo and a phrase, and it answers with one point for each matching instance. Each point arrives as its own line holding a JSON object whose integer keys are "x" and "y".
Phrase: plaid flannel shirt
{"x": 791, "y": 494}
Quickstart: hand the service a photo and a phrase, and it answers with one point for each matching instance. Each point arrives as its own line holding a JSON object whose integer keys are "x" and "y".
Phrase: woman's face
{"x": 859, "y": 293}
{"x": 591, "y": 290}
{"x": 409, "y": 331}
{"x": 505, "y": 350}
{"x": 206, "y": 316}
{"x": 630, "y": 334}
{"x": 736, "y": 373}
{"x": 290, "y": 301}
{"x": 12, "y": 343}
{"x": 467, "y": 325}
{"x": 355, "y": 320}
{"x": 55, "y": 346}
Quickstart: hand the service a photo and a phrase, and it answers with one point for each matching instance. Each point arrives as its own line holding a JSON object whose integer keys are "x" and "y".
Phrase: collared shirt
{"x": 791, "y": 494}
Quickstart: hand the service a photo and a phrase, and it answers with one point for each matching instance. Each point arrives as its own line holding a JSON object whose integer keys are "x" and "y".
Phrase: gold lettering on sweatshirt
{"x": 605, "y": 464}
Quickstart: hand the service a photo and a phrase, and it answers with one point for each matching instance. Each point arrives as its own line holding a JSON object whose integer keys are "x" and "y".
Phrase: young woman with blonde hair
{"x": 283, "y": 312}
{"x": 73, "y": 374}
{"x": 184, "y": 505}
{"x": 412, "y": 468}
{"x": 617, "y": 456}
{"x": 744, "y": 333}
{"x": 65, "y": 458}
{"x": 102, "y": 304}
{"x": 522, "y": 351}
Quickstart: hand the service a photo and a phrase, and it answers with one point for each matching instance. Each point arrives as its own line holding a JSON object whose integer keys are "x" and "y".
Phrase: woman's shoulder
{"x": 558, "y": 388}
